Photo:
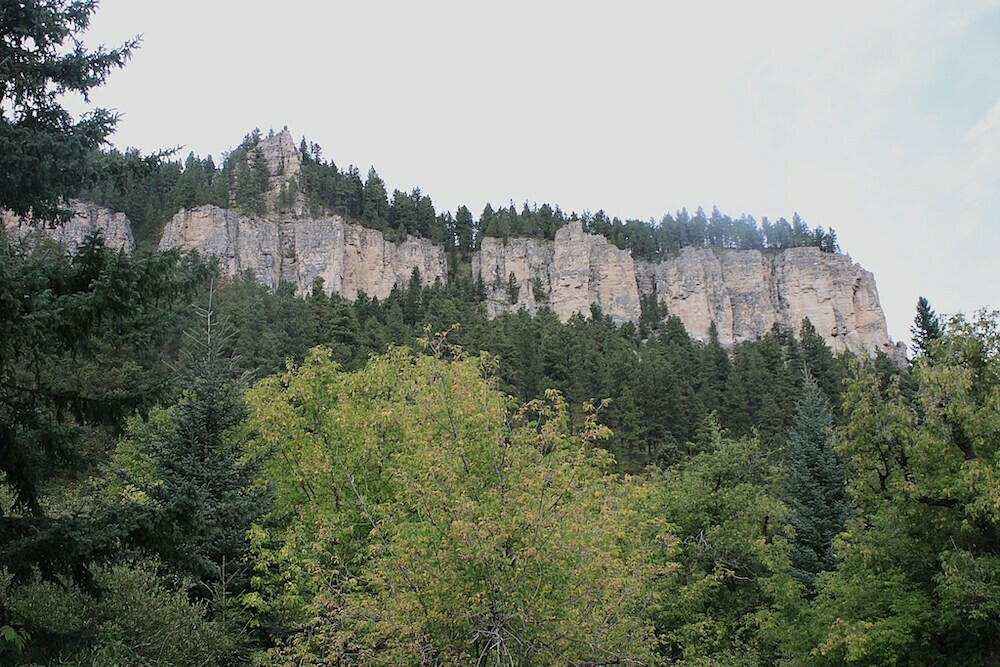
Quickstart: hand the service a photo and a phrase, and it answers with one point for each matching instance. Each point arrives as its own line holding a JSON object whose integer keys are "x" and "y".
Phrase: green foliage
{"x": 271, "y": 327}
{"x": 199, "y": 495}
{"x": 250, "y": 177}
{"x": 918, "y": 581}
{"x": 43, "y": 150}
{"x": 513, "y": 288}
{"x": 151, "y": 189}
{"x": 80, "y": 339}
{"x": 814, "y": 485}
{"x": 926, "y": 328}
{"x": 435, "y": 522}
{"x": 138, "y": 619}
{"x": 721, "y": 607}
{"x": 661, "y": 389}
{"x": 652, "y": 239}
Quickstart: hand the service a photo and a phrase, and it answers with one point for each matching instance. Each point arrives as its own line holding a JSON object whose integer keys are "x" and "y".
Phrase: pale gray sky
{"x": 878, "y": 118}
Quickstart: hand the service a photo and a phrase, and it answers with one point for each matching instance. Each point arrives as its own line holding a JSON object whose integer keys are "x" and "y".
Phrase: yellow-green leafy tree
{"x": 431, "y": 520}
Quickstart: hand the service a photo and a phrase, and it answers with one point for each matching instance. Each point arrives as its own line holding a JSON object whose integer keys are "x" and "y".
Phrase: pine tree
{"x": 814, "y": 485}
{"x": 202, "y": 488}
{"x": 78, "y": 342}
{"x": 43, "y": 151}
{"x": 926, "y": 328}
{"x": 819, "y": 361}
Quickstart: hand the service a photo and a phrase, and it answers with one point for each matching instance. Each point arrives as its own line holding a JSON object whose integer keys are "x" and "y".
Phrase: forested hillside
{"x": 195, "y": 470}
{"x": 151, "y": 191}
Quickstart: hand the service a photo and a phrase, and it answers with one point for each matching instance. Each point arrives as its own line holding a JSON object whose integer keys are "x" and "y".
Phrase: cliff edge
{"x": 744, "y": 292}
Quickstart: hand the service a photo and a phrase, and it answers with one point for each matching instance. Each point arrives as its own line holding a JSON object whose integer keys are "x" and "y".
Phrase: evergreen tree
{"x": 714, "y": 372}
{"x": 43, "y": 151}
{"x": 78, "y": 342}
{"x": 926, "y": 328}
{"x": 814, "y": 485}
{"x": 251, "y": 182}
{"x": 375, "y": 201}
{"x": 202, "y": 487}
{"x": 820, "y": 362}
{"x": 465, "y": 230}
{"x": 918, "y": 575}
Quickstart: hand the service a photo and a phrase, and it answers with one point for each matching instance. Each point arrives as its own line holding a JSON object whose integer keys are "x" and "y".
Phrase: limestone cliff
{"x": 578, "y": 269}
{"x": 284, "y": 170}
{"x": 87, "y": 218}
{"x": 286, "y": 249}
{"x": 744, "y": 292}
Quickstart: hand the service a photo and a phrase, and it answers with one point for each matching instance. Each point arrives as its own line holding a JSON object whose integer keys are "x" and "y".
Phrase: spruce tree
{"x": 44, "y": 151}
{"x": 926, "y": 328}
{"x": 814, "y": 485}
{"x": 203, "y": 490}
{"x": 819, "y": 361}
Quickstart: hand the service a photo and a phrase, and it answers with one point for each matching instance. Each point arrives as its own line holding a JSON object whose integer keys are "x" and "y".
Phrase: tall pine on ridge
{"x": 926, "y": 328}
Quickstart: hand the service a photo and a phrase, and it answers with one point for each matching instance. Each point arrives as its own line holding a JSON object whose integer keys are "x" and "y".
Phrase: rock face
{"x": 284, "y": 170}
{"x": 567, "y": 276}
{"x": 279, "y": 249}
{"x": 87, "y": 218}
{"x": 743, "y": 292}
{"x": 746, "y": 292}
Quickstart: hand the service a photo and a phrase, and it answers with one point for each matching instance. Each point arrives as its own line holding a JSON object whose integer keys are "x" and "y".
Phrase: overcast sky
{"x": 880, "y": 119}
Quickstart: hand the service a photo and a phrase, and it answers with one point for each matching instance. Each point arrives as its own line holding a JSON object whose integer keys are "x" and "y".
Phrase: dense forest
{"x": 151, "y": 191}
{"x": 195, "y": 470}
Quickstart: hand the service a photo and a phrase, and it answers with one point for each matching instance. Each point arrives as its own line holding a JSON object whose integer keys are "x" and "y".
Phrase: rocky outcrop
{"x": 567, "y": 276}
{"x": 744, "y": 293}
{"x": 87, "y": 218}
{"x": 279, "y": 249}
{"x": 284, "y": 171}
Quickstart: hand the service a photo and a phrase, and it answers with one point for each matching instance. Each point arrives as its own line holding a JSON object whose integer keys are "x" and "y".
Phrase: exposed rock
{"x": 347, "y": 257}
{"x": 744, "y": 292}
{"x": 569, "y": 275}
{"x": 87, "y": 218}
{"x": 284, "y": 170}
{"x": 529, "y": 261}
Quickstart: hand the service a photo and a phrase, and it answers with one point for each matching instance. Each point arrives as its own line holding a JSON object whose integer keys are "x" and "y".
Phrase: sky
{"x": 878, "y": 118}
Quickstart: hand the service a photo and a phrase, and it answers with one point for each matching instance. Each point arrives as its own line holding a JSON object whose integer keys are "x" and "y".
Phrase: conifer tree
{"x": 926, "y": 328}
{"x": 819, "y": 361}
{"x": 814, "y": 485}
{"x": 44, "y": 151}
{"x": 202, "y": 488}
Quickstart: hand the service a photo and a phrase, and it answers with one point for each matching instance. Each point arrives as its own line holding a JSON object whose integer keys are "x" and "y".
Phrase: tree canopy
{"x": 44, "y": 151}
{"x": 436, "y": 522}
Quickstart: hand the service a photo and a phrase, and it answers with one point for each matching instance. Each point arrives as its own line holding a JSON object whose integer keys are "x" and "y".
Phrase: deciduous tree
{"x": 435, "y": 522}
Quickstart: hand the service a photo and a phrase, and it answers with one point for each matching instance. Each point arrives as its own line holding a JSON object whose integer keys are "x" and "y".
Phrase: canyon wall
{"x": 87, "y": 218}
{"x": 744, "y": 292}
{"x": 279, "y": 249}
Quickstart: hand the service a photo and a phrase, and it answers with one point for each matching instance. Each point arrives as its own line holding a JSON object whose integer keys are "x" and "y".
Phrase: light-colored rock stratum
{"x": 567, "y": 275}
{"x": 87, "y": 218}
{"x": 744, "y": 292}
{"x": 280, "y": 249}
